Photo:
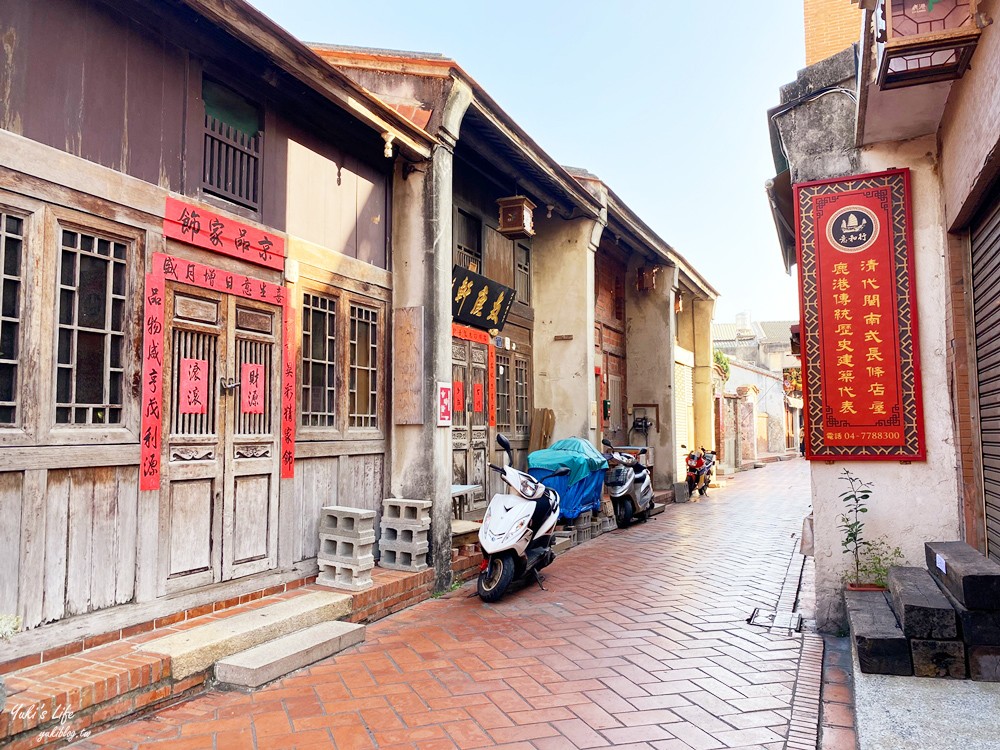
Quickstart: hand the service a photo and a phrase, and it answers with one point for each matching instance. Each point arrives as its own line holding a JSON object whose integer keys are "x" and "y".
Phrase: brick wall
{"x": 831, "y": 26}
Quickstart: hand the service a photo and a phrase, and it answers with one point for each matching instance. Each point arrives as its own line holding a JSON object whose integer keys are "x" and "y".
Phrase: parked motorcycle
{"x": 706, "y": 471}
{"x": 516, "y": 535}
{"x": 628, "y": 484}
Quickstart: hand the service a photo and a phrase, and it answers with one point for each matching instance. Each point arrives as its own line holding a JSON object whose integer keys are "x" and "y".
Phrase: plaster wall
{"x": 651, "y": 367}
{"x": 769, "y": 400}
{"x": 704, "y": 393}
{"x": 562, "y": 277}
{"x": 911, "y": 502}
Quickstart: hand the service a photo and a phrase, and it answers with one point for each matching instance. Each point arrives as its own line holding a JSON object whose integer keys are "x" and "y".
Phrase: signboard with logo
{"x": 860, "y": 348}
{"x": 479, "y": 302}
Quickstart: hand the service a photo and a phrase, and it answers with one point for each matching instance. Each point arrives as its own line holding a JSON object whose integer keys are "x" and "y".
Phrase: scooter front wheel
{"x": 623, "y": 513}
{"x": 495, "y": 578}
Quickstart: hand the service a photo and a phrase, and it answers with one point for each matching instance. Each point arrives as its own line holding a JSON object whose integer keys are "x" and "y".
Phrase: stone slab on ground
{"x": 269, "y": 661}
{"x": 195, "y": 650}
{"x": 913, "y": 713}
{"x": 970, "y": 576}
{"x": 922, "y": 609}
{"x": 879, "y": 641}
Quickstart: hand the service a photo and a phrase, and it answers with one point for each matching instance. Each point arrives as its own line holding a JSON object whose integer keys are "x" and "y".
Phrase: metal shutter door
{"x": 986, "y": 306}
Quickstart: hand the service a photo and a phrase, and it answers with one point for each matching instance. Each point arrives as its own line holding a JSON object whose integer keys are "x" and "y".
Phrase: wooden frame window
{"x": 11, "y": 260}
{"x": 90, "y": 361}
{"x": 503, "y": 393}
{"x": 363, "y": 402}
{"x": 522, "y": 273}
{"x": 468, "y": 242}
{"x": 522, "y": 397}
{"x": 319, "y": 361}
{"x": 233, "y": 144}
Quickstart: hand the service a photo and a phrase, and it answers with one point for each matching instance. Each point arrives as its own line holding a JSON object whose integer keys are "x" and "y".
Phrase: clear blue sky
{"x": 664, "y": 100}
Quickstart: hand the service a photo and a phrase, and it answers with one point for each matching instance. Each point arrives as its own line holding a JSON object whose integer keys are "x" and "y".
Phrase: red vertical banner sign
{"x": 251, "y": 388}
{"x": 288, "y": 393}
{"x": 860, "y": 345}
{"x": 193, "y": 388}
{"x": 458, "y": 395}
{"x": 477, "y": 398}
{"x": 151, "y": 429}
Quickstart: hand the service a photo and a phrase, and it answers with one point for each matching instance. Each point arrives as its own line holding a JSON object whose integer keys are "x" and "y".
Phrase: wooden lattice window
{"x": 522, "y": 274}
{"x": 503, "y": 392}
{"x": 91, "y": 340}
{"x": 319, "y": 361}
{"x": 233, "y": 144}
{"x": 11, "y": 248}
{"x": 522, "y": 405}
{"x": 468, "y": 244}
{"x": 364, "y": 362}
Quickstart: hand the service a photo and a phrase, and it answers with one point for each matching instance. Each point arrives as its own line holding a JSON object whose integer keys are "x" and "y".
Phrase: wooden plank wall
{"x": 67, "y": 541}
{"x": 354, "y": 481}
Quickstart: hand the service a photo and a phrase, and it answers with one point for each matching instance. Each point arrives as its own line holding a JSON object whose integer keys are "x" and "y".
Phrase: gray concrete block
{"x": 334, "y": 547}
{"x": 404, "y": 534}
{"x": 403, "y": 560}
{"x": 346, "y": 522}
{"x": 269, "y": 661}
{"x": 401, "y": 510}
{"x": 195, "y": 650}
{"x": 340, "y": 575}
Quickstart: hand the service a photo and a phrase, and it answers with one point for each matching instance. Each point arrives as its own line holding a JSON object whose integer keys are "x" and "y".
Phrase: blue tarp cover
{"x": 580, "y": 490}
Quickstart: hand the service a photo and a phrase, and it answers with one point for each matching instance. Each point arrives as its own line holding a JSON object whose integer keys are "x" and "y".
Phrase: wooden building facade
{"x": 195, "y": 305}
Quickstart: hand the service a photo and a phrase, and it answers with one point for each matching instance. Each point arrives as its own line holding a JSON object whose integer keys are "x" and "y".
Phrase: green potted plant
{"x": 871, "y": 558}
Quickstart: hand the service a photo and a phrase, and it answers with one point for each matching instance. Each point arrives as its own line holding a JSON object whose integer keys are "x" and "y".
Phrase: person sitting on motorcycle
{"x": 695, "y": 463}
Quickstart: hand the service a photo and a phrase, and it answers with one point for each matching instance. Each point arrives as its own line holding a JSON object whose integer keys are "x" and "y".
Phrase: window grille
{"x": 522, "y": 275}
{"x": 503, "y": 392}
{"x": 468, "y": 248}
{"x": 91, "y": 314}
{"x": 319, "y": 361}
{"x": 232, "y": 147}
{"x": 522, "y": 408}
{"x": 363, "y": 389}
{"x": 11, "y": 248}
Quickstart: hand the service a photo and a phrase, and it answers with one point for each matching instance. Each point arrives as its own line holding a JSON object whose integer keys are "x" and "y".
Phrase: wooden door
{"x": 470, "y": 419}
{"x": 219, "y": 484}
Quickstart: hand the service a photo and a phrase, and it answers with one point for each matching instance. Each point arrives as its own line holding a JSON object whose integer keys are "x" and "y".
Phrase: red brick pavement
{"x": 639, "y": 641}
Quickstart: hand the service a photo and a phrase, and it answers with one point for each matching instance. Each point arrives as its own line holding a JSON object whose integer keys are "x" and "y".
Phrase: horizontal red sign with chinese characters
{"x": 860, "y": 346}
{"x": 220, "y": 234}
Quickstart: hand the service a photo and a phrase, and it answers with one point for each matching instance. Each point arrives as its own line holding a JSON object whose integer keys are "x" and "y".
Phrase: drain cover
{"x": 791, "y": 621}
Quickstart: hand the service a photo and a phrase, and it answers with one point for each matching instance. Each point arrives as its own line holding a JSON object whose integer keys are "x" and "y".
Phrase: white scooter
{"x": 628, "y": 484}
{"x": 516, "y": 535}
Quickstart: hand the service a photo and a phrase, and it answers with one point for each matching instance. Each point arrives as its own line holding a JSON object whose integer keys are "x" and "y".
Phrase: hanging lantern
{"x": 926, "y": 41}
{"x": 516, "y": 218}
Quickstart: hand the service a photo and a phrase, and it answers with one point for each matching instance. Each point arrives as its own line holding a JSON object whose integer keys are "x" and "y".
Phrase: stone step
{"x": 922, "y": 609}
{"x": 195, "y": 650}
{"x": 269, "y": 661}
{"x": 969, "y": 575}
{"x": 976, "y": 627}
{"x": 882, "y": 648}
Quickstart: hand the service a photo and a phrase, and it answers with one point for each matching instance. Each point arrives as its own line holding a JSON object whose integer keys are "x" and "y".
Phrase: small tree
{"x": 722, "y": 361}
{"x": 855, "y": 500}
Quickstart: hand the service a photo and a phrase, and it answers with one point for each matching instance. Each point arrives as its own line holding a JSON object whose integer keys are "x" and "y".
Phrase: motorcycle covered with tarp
{"x": 579, "y": 490}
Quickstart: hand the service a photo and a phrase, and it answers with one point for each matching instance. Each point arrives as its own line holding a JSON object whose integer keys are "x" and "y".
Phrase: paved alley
{"x": 639, "y": 641}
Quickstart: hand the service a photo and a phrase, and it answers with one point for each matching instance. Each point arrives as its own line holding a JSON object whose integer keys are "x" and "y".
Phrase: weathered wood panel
{"x": 114, "y": 93}
{"x": 316, "y": 485}
{"x": 126, "y": 534}
{"x": 80, "y": 535}
{"x": 32, "y": 573}
{"x": 10, "y": 539}
{"x": 407, "y": 365}
{"x": 498, "y": 257}
{"x": 361, "y": 484}
{"x": 104, "y": 521}
{"x": 56, "y": 530}
{"x": 252, "y": 517}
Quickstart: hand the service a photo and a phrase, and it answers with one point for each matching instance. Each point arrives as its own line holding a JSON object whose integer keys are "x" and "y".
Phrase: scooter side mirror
{"x": 504, "y": 443}
{"x": 607, "y": 442}
{"x": 642, "y": 452}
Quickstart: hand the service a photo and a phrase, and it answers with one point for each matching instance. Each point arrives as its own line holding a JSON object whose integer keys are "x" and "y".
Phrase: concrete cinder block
{"x": 403, "y": 534}
{"x": 269, "y": 661}
{"x": 334, "y": 547}
{"x": 346, "y": 522}
{"x": 341, "y": 575}
{"x": 409, "y": 559}
{"x": 397, "y": 511}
